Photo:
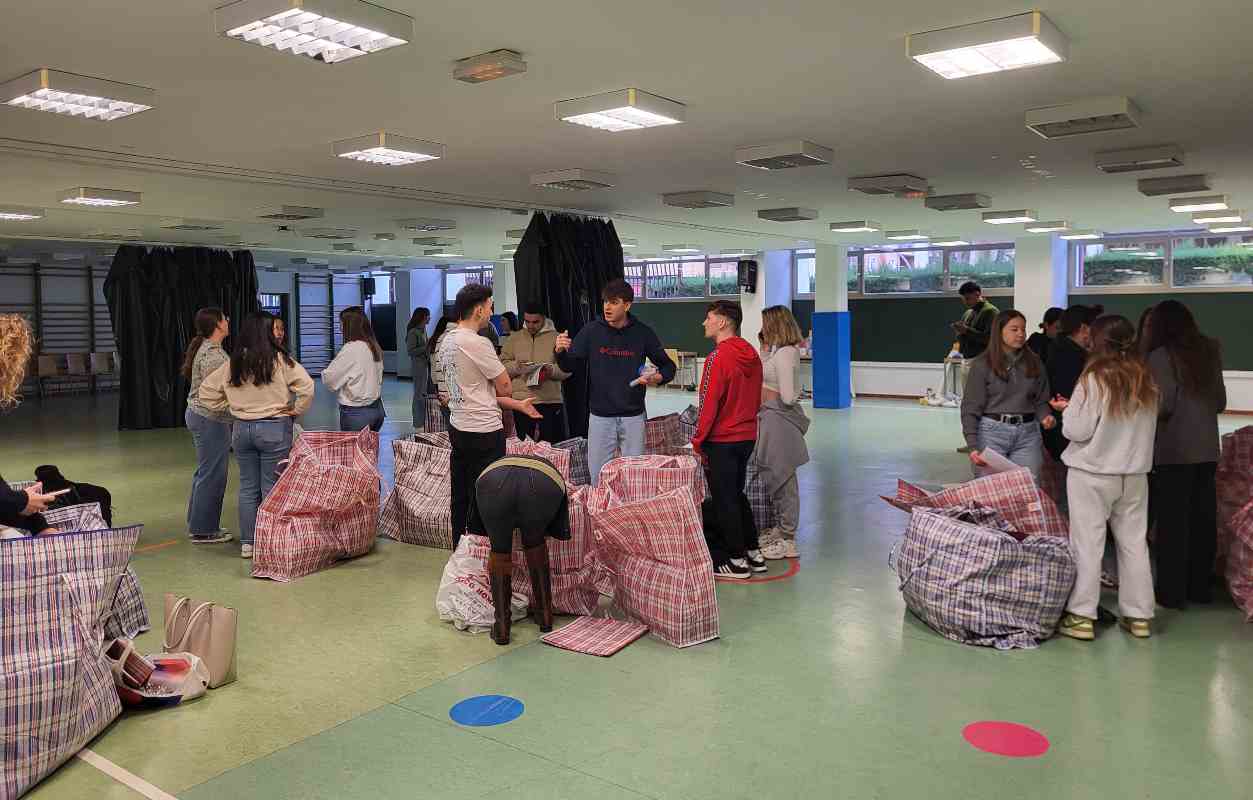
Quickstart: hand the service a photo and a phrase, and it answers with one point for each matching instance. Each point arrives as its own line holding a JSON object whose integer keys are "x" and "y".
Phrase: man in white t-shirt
{"x": 478, "y": 388}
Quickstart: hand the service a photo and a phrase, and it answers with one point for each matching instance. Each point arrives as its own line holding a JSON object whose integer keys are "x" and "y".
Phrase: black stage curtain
{"x": 153, "y": 296}
{"x": 564, "y": 262}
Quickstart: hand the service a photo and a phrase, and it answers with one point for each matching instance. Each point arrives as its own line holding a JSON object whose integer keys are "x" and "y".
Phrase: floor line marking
{"x": 124, "y": 777}
{"x": 158, "y": 546}
{"x": 791, "y": 571}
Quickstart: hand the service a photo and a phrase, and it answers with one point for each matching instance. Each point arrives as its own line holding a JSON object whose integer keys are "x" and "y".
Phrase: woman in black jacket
{"x": 1068, "y": 355}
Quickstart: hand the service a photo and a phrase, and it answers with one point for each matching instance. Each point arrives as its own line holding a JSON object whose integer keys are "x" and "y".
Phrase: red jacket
{"x": 730, "y": 394}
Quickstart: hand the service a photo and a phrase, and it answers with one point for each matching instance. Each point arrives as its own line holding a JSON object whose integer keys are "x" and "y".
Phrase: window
{"x": 1121, "y": 263}
{"x": 635, "y": 277}
{"x": 806, "y": 268}
{"x": 1210, "y": 261}
{"x": 991, "y": 268}
{"x": 854, "y": 273}
{"x": 454, "y": 281}
{"x": 675, "y": 280}
{"x": 724, "y": 278}
{"x": 382, "y": 289}
{"x": 903, "y": 271}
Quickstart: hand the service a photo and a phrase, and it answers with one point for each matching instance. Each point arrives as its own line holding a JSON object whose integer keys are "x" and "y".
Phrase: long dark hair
{"x": 512, "y": 319}
{"x": 1197, "y": 359}
{"x": 1117, "y": 368}
{"x": 1142, "y": 331}
{"x": 420, "y": 316}
{"x": 357, "y": 328}
{"x": 998, "y": 361}
{"x": 440, "y": 327}
{"x": 256, "y": 351}
{"x": 206, "y": 322}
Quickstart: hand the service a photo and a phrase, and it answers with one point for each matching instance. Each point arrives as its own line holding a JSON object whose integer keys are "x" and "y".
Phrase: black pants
{"x": 519, "y": 498}
{"x": 1185, "y": 543}
{"x": 728, "y": 468}
{"x": 551, "y": 429}
{"x": 471, "y": 453}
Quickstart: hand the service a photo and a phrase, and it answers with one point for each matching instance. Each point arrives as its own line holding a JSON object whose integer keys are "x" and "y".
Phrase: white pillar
{"x": 830, "y": 278}
{"x": 1041, "y": 278}
{"x": 832, "y": 349}
{"x": 504, "y": 287}
{"x": 774, "y": 288}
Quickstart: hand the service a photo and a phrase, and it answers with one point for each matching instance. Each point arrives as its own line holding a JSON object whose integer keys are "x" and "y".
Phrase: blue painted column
{"x": 832, "y": 352}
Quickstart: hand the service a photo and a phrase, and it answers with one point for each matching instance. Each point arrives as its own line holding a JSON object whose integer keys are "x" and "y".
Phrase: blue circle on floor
{"x": 486, "y": 709}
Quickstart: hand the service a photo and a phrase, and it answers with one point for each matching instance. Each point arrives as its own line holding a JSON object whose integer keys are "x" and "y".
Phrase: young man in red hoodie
{"x": 730, "y": 396}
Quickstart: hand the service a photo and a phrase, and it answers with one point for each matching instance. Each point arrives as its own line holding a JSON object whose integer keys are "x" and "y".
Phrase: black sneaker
{"x": 730, "y": 570}
{"x": 756, "y": 561}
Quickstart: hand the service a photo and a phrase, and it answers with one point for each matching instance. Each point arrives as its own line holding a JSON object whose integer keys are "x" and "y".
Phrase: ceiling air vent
{"x": 1139, "y": 158}
{"x": 427, "y": 224}
{"x": 329, "y": 233}
{"x": 574, "y": 179}
{"x": 702, "y": 199}
{"x": 788, "y": 214}
{"x": 957, "y": 202}
{"x": 784, "y": 155}
{"x": 291, "y": 213}
{"x": 435, "y": 241}
{"x": 191, "y": 225}
{"x": 1097, "y": 115}
{"x": 1175, "y": 184}
{"x": 896, "y": 184}
{"x": 311, "y": 262}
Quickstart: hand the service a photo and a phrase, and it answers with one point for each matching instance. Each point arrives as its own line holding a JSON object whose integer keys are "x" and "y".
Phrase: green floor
{"x": 821, "y": 685}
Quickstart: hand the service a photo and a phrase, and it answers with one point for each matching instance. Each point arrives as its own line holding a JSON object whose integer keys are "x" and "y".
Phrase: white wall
{"x": 416, "y": 288}
{"x": 1040, "y": 276}
{"x": 774, "y": 288}
{"x": 276, "y": 283}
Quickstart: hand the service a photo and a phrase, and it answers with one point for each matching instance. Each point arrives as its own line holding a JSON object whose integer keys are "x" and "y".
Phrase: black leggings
{"x": 471, "y": 454}
{"x": 512, "y": 497}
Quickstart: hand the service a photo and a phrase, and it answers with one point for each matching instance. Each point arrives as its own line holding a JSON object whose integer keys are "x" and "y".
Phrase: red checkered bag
{"x": 573, "y": 592}
{"x": 1013, "y": 493}
{"x": 595, "y": 636}
{"x": 664, "y": 577}
{"x": 1234, "y": 482}
{"x": 56, "y": 686}
{"x": 560, "y": 458}
{"x": 440, "y": 439}
{"x": 1239, "y": 565}
{"x": 324, "y": 508}
{"x": 626, "y": 480}
{"x": 418, "y": 510}
{"x": 1053, "y": 480}
{"x": 663, "y": 435}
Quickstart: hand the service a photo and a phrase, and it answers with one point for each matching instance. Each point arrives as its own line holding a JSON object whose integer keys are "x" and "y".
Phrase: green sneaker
{"x": 1077, "y": 627}
{"x": 1138, "y": 628}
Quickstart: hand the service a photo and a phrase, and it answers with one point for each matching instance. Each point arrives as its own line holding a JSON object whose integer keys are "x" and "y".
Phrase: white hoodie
{"x": 1104, "y": 444}
{"x": 354, "y": 375}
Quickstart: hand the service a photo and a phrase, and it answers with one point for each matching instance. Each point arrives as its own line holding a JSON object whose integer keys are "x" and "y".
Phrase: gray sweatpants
{"x": 787, "y": 508}
{"x": 1122, "y": 501}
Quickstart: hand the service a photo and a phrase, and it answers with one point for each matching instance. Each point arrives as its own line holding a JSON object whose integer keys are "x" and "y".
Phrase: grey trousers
{"x": 787, "y": 508}
{"x": 1122, "y": 501}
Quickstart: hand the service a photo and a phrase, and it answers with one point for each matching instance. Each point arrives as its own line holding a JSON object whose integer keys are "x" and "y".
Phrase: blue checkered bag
{"x": 580, "y": 472}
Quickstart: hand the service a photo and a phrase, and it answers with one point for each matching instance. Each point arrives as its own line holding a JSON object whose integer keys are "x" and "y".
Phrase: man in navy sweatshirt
{"x": 615, "y": 348}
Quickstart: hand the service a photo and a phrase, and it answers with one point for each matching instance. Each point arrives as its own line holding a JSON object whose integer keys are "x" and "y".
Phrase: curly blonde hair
{"x": 16, "y": 343}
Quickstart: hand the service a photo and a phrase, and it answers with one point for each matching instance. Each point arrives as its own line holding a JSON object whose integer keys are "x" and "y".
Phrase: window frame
{"x": 478, "y": 270}
{"x": 1073, "y": 256}
{"x": 949, "y": 291}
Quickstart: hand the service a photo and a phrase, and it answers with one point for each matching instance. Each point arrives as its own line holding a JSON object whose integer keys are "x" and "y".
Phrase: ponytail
{"x": 206, "y": 322}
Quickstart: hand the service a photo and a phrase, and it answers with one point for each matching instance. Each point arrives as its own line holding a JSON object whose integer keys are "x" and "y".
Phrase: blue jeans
{"x": 354, "y": 418}
{"x": 607, "y": 435}
{"x": 1021, "y": 444}
{"x": 208, "y": 485}
{"x": 421, "y": 373}
{"x": 259, "y": 446}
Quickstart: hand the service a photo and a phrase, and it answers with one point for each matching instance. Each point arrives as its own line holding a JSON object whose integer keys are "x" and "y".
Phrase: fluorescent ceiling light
{"x": 741, "y": 253}
{"x": 181, "y": 224}
{"x": 388, "y": 149}
{"x": 621, "y": 110}
{"x": 949, "y": 241}
{"x": 76, "y": 95}
{"x": 445, "y": 253}
{"x": 1139, "y": 158}
{"x": 384, "y": 237}
{"x": 489, "y": 66}
{"x": 1023, "y": 40}
{"x": 1175, "y": 184}
{"x": 1049, "y": 227}
{"x": 698, "y": 199}
{"x": 20, "y": 213}
{"x": 1210, "y": 217}
{"x": 1073, "y": 236}
{"x": 329, "y": 31}
{"x": 912, "y": 235}
{"x": 574, "y": 179}
{"x": 680, "y": 248}
{"x": 88, "y": 196}
{"x": 1213, "y": 202}
{"x": 1241, "y": 227}
{"x": 1010, "y": 217}
{"x": 626, "y": 243}
{"x": 1246, "y": 242}
{"x": 856, "y": 226}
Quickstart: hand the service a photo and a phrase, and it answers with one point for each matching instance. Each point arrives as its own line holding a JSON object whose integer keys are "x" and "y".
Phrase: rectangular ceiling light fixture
{"x": 1095, "y": 115}
{"x": 1136, "y": 159}
{"x": 787, "y": 214}
{"x": 1212, "y": 202}
{"x": 701, "y": 199}
{"x": 1053, "y": 226}
{"x": 628, "y": 243}
{"x": 177, "y": 224}
{"x": 436, "y": 241}
{"x": 104, "y": 198}
{"x": 388, "y": 149}
{"x": 20, "y": 213}
{"x": 912, "y": 235}
{"x": 489, "y": 66}
{"x": 76, "y": 95}
{"x": 1175, "y": 184}
{"x": 329, "y": 31}
{"x": 1211, "y": 217}
{"x": 949, "y": 241}
{"x": 384, "y": 237}
{"x": 1239, "y": 227}
{"x": 427, "y": 224}
{"x": 445, "y": 252}
{"x": 957, "y": 202}
{"x": 995, "y": 45}
{"x": 1010, "y": 217}
{"x": 856, "y": 226}
{"x": 621, "y": 110}
{"x": 1074, "y": 236}
{"x": 784, "y": 155}
{"x": 574, "y": 179}
{"x": 1246, "y": 242}
{"x": 515, "y": 233}
{"x": 329, "y": 233}
{"x": 737, "y": 253}
{"x": 291, "y": 213}
{"x": 680, "y": 248}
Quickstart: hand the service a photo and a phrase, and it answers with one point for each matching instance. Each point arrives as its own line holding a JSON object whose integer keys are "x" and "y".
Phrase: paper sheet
{"x": 997, "y": 463}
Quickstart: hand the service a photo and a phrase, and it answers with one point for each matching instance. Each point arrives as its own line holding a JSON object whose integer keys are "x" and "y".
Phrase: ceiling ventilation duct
{"x": 291, "y": 213}
{"x": 701, "y": 199}
{"x": 787, "y": 214}
{"x": 784, "y": 155}
{"x": 898, "y": 184}
{"x": 1136, "y": 159}
{"x": 957, "y": 202}
{"x": 1097, "y": 115}
{"x": 1175, "y": 184}
{"x": 574, "y": 179}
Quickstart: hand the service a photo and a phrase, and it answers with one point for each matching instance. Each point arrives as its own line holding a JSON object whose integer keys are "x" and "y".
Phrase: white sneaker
{"x": 245, "y": 551}
{"x": 755, "y": 562}
{"x": 950, "y": 404}
{"x": 780, "y": 549}
{"x": 769, "y": 536}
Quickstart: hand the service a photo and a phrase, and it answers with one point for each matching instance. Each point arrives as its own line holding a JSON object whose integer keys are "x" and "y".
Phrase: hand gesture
{"x": 36, "y": 500}
{"x": 1059, "y": 403}
{"x": 528, "y": 408}
{"x": 1049, "y": 423}
{"x": 653, "y": 378}
{"x": 563, "y": 342}
{"x": 976, "y": 458}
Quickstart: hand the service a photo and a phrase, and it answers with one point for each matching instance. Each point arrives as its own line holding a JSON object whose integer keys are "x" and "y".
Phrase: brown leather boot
{"x": 500, "y": 572}
{"x": 541, "y": 586}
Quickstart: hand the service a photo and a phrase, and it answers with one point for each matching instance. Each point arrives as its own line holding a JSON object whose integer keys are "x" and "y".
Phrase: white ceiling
{"x": 748, "y": 73}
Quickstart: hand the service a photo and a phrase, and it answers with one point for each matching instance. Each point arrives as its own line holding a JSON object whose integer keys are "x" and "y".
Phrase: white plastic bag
{"x": 176, "y": 677}
{"x": 464, "y": 597}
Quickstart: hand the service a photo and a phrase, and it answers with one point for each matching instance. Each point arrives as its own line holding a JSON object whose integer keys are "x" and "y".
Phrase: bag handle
{"x": 200, "y": 610}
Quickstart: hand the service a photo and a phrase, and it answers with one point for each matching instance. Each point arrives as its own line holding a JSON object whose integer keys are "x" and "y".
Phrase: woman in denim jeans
{"x": 264, "y": 389}
{"x": 210, "y": 431}
{"x": 1007, "y": 398}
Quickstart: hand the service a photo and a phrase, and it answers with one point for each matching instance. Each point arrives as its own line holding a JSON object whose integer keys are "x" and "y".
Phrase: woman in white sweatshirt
{"x": 1111, "y": 423}
{"x": 356, "y": 374}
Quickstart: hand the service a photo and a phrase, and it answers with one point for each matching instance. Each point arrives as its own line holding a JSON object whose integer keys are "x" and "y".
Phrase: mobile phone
{"x": 58, "y": 493}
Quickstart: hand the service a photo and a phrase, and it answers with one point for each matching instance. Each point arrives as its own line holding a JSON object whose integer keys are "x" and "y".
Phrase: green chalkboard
{"x": 1223, "y": 315}
{"x": 907, "y": 328}
{"x": 677, "y": 323}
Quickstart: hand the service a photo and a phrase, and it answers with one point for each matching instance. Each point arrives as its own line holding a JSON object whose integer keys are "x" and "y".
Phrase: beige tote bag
{"x": 206, "y": 630}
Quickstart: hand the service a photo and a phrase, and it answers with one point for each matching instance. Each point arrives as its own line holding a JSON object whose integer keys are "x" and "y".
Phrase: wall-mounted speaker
{"x": 748, "y": 276}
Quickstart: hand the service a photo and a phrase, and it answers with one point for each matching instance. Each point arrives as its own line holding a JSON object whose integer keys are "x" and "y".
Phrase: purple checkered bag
{"x": 580, "y": 472}
{"x": 1234, "y": 483}
{"x": 980, "y": 586}
{"x": 324, "y": 508}
{"x": 57, "y": 686}
{"x": 759, "y": 499}
{"x": 1239, "y": 562}
{"x": 418, "y": 510}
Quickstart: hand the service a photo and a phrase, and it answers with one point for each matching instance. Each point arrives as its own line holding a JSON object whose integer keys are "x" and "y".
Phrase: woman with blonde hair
{"x": 18, "y": 509}
{"x": 781, "y": 429}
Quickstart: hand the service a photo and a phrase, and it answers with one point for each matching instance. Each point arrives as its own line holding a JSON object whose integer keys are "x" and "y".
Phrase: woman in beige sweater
{"x": 264, "y": 389}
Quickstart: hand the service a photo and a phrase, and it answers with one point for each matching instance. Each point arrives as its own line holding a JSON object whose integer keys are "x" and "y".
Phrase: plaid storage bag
{"x": 1235, "y": 484}
{"x": 558, "y": 457}
{"x": 324, "y": 508}
{"x": 573, "y": 592}
{"x": 418, "y": 510}
{"x": 128, "y": 616}
{"x": 687, "y": 423}
{"x": 1239, "y": 563}
{"x": 1013, "y": 493}
{"x": 759, "y": 499}
{"x": 434, "y": 417}
{"x": 662, "y": 572}
{"x": 979, "y": 585}
{"x": 56, "y": 686}
{"x": 1053, "y": 481}
{"x": 580, "y": 472}
{"x": 663, "y": 435}
{"x": 628, "y": 480}
{"x": 439, "y": 439}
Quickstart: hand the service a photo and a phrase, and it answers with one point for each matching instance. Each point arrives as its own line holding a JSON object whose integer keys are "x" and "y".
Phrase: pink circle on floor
{"x": 1006, "y": 739}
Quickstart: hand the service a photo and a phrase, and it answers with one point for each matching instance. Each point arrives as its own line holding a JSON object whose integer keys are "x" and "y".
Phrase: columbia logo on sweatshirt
{"x": 609, "y": 351}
